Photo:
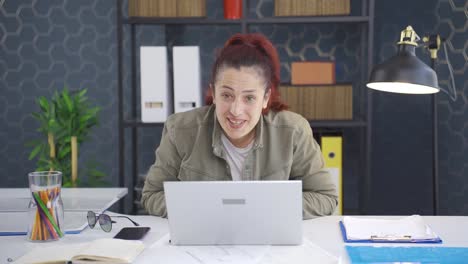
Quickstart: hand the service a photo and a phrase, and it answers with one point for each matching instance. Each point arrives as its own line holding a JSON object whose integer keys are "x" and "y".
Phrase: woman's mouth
{"x": 235, "y": 123}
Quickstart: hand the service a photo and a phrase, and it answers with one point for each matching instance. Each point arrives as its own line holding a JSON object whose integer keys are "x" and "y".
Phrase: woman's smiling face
{"x": 239, "y": 96}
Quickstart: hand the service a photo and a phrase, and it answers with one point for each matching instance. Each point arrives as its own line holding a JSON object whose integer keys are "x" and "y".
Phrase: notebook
{"x": 234, "y": 212}
{"x": 105, "y": 250}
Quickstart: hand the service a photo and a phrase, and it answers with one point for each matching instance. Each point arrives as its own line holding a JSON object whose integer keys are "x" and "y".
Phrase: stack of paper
{"x": 407, "y": 229}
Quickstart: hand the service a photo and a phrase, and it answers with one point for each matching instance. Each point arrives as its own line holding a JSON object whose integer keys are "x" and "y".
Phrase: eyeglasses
{"x": 104, "y": 220}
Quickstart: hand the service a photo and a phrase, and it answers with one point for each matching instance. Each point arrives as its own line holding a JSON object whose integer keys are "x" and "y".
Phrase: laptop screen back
{"x": 234, "y": 212}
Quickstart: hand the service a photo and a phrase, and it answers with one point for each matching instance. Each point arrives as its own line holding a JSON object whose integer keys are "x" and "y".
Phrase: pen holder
{"x": 45, "y": 213}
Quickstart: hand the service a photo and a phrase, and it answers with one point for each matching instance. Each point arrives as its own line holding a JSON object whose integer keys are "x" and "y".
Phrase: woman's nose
{"x": 236, "y": 108}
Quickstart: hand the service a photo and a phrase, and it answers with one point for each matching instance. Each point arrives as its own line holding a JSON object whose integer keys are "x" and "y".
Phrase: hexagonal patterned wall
{"x": 45, "y": 45}
{"x": 402, "y": 129}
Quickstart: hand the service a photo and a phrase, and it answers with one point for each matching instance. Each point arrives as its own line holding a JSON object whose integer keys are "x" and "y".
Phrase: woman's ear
{"x": 212, "y": 92}
{"x": 266, "y": 98}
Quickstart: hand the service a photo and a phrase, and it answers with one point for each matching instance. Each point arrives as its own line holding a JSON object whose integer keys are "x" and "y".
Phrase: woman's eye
{"x": 226, "y": 96}
{"x": 250, "y": 98}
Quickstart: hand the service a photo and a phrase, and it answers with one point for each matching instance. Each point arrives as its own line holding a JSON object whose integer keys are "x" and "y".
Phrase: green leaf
{"x": 52, "y": 124}
{"x": 34, "y": 152}
{"x": 39, "y": 117}
{"x": 43, "y": 103}
{"x": 32, "y": 143}
{"x": 82, "y": 92}
{"x": 67, "y": 100}
{"x": 63, "y": 152}
{"x": 97, "y": 173}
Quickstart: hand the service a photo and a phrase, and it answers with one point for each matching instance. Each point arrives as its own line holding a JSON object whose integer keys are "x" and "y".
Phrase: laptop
{"x": 234, "y": 212}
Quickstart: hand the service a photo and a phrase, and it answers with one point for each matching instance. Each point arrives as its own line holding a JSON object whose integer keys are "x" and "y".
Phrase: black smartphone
{"x": 132, "y": 233}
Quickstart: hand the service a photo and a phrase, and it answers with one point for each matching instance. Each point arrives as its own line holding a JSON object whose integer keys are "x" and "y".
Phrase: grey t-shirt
{"x": 235, "y": 157}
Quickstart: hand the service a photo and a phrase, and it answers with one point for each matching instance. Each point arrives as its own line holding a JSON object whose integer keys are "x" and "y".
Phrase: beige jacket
{"x": 284, "y": 149}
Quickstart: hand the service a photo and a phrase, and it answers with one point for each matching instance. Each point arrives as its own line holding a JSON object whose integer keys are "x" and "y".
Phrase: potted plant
{"x": 65, "y": 121}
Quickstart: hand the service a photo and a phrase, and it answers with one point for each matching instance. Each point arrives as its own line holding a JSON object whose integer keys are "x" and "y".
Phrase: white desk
{"x": 76, "y": 203}
{"x": 320, "y": 235}
{"x": 74, "y": 199}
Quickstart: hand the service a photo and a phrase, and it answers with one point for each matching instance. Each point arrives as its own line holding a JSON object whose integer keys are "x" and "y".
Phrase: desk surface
{"x": 322, "y": 242}
{"x": 76, "y": 202}
{"x": 74, "y": 199}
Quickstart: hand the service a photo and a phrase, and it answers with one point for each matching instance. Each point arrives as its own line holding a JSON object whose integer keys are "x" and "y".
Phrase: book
{"x": 407, "y": 255}
{"x": 410, "y": 229}
{"x": 104, "y": 250}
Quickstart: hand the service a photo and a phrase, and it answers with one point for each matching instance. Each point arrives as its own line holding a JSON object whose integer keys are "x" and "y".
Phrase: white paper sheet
{"x": 364, "y": 228}
{"x": 167, "y": 253}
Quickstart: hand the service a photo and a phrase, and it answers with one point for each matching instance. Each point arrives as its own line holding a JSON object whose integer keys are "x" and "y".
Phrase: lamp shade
{"x": 404, "y": 73}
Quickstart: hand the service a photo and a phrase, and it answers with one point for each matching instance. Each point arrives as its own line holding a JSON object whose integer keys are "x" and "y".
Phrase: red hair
{"x": 248, "y": 50}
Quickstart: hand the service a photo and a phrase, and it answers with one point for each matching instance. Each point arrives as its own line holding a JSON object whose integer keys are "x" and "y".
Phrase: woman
{"x": 243, "y": 134}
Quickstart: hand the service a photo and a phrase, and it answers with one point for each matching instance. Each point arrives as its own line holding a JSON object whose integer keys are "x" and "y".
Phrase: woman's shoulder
{"x": 192, "y": 118}
{"x": 285, "y": 118}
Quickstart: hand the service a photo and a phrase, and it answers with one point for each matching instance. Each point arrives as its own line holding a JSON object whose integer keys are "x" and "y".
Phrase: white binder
{"x": 187, "y": 78}
{"x": 154, "y": 84}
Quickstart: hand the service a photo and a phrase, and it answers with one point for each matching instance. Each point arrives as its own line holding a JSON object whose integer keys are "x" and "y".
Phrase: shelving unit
{"x": 363, "y": 123}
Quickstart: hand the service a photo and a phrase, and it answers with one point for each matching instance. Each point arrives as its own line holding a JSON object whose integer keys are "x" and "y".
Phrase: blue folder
{"x": 386, "y": 239}
{"x": 407, "y": 255}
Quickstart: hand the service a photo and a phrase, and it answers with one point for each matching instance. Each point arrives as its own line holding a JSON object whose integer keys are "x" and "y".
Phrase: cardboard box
{"x": 167, "y": 8}
{"x": 312, "y": 72}
{"x": 312, "y": 7}
{"x": 321, "y": 102}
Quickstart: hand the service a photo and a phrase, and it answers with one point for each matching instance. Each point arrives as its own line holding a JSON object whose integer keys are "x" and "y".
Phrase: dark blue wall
{"x": 45, "y": 45}
{"x": 402, "y": 124}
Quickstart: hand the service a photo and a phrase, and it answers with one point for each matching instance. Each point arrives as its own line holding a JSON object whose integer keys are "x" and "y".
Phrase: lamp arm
{"x": 449, "y": 65}
{"x": 433, "y": 43}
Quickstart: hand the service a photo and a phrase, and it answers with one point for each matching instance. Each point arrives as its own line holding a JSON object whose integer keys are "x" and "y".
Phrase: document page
{"x": 306, "y": 253}
{"x": 365, "y": 228}
{"x": 222, "y": 254}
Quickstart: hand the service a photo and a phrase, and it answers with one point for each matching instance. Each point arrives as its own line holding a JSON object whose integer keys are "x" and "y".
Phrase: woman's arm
{"x": 166, "y": 168}
{"x": 319, "y": 194}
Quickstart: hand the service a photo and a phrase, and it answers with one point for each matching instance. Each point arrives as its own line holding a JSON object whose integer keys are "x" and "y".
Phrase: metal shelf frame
{"x": 269, "y": 20}
{"x": 364, "y": 123}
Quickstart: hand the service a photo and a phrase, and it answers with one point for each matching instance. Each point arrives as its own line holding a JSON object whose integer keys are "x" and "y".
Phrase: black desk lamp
{"x": 405, "y": 73}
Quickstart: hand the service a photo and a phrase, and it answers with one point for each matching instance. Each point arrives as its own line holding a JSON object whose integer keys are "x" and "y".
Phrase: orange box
{"x": 313, "y": 72}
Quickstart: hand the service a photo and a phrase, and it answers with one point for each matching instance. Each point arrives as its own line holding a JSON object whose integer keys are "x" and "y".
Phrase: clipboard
{"x": 387, "y": 239}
